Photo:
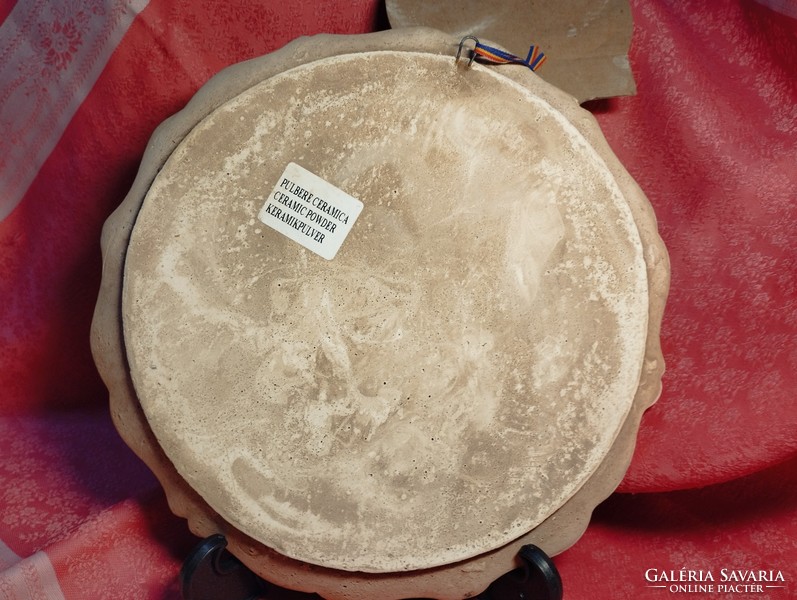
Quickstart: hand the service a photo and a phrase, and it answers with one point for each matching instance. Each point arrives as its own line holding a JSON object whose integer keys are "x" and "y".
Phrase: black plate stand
{"x": 212, "y": 573}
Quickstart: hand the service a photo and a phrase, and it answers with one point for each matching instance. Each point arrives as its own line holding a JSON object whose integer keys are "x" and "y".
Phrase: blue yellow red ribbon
{"x": 533, "y": 61}
{"x": 484, "y": 53}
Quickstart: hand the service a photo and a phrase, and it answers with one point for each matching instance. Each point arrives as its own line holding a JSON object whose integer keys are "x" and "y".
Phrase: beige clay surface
{"x": 445, "y": 383}
{"x": 456, "y": 580}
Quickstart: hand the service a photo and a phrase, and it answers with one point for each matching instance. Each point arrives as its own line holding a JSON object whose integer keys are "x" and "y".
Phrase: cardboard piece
{"x": 586, "y": 43}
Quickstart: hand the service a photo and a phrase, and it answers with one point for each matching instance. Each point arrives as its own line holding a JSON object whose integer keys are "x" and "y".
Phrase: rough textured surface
{"x": 554, "y": 534}
{"x": 444, "y": 384}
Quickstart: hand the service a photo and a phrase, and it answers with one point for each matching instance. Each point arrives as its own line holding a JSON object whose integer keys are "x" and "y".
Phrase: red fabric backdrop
{"x": 711, "y": 137}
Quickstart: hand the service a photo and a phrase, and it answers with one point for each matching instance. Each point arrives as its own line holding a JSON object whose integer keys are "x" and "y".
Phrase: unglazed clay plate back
{"x": 445, "y": 383}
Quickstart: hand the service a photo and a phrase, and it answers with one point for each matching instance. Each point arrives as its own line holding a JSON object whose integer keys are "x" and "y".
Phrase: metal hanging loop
{"x": 462, "y": 45}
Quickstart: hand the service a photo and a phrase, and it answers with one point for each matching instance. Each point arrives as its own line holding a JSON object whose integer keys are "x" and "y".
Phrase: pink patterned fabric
{"x": 711, "y": 137}
{"x": 51, "y": 53}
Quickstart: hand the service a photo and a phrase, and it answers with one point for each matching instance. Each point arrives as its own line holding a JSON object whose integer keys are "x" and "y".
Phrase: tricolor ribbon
{"x": 488, "y": 54}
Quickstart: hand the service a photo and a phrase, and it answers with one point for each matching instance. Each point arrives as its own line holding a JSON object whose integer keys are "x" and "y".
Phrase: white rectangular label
{"x": 310, "y": 211}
